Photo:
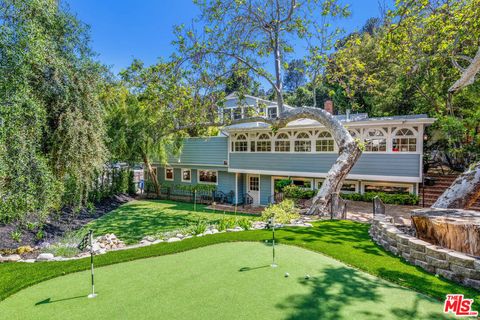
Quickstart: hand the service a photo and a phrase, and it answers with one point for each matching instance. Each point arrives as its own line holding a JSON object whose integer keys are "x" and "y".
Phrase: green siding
{"x": 265, "y": 189}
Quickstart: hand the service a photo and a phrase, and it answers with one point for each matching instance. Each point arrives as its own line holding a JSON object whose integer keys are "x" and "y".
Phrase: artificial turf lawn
{"x": 224, "y": 281}
{"x": 136, "y": 219}
{"x": 346, "y": 241}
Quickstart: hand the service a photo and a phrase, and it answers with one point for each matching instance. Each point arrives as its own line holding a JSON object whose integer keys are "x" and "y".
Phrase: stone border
{"x": 450, "y": 264}
{"x": 109, "y": 242}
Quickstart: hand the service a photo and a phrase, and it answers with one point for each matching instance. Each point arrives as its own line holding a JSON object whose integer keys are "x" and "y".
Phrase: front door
{"x": 253, "y": 188}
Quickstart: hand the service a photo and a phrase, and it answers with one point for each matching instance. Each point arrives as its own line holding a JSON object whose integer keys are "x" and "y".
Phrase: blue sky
{"x": 125, "y": 29}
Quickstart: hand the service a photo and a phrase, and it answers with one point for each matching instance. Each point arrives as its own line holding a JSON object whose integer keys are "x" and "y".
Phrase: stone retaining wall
{"x": 447, "y": 263}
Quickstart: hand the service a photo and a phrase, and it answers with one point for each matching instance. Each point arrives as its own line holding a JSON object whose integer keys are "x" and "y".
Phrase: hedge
{"x": 387, "y": 198}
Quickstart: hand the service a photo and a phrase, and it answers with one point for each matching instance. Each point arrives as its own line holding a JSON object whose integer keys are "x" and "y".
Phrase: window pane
{"x": 282, "y": 146}
{"x": 272, "y": 112}
{"x": 264, "y": 146}
{"x": 303, "y": 146}
{"x": 387, "y": 189}
{"x": 169, "y": 174}
{"x": 207, "y": 176}
{"x": 237, "y": 113}
{"x": 186, "y": 175}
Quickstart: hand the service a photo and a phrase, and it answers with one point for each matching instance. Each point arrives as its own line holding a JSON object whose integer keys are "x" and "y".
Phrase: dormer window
{"x": 272, "y": 112}
{"x": 237, "y": 113}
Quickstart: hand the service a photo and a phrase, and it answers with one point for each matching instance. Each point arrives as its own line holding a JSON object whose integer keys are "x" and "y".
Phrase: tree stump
{"x": 454, "y": 229}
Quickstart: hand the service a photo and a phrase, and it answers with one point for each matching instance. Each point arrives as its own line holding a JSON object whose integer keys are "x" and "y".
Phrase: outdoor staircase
{"x": 442, "y": 182}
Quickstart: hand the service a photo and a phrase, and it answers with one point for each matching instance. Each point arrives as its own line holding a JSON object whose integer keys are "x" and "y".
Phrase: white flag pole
{"x": 93, "y": 294}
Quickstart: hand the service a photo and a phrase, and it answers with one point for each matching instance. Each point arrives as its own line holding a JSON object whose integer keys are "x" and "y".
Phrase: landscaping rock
{"x": 45, "y": 257}
{"x": 214, "y": 231}
{"x": 208, "y": 232}
{"x": 437, "y": 252}
{"x": 27, "y": 260}
{"x": 157, "y": 241}
{"x": 10, "y": 258}
{"x": 174, "y": 239}
{"x": 145, "y": 242}
{"x": 179, "y": 235}
{"x": 437, "y": 263}
{"x": 149, "y": 238}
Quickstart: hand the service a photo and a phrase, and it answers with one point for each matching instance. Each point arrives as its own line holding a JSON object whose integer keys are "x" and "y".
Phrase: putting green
{"x": 224, "y": 281}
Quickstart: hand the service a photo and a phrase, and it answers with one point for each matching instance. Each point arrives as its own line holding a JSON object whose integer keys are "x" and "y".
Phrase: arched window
{"x": 264, "y": 144}
{"x": 282, "y": 143}
{"x": 324, "y": 142}
{"x": 303, "y": 143}
{"x": 240, "y": 144}
{"x": 404, "y": 140}
{"x": 375, "y": 140}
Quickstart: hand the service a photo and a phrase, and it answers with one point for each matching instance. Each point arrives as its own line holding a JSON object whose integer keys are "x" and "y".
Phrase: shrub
{"x": 16, "y": 236}
{"x": 284, "y": 212}
{"x": 387, "y": 198}
{"x": 132, "y": 186}
{"x": 244, "y": 223}
{"x": 295, "y": 192}
{"x": 281, "y": 184}
{"x": 226, "y": 223}
{"x": 200, "y": 227}
{"x": 66, "y": 247}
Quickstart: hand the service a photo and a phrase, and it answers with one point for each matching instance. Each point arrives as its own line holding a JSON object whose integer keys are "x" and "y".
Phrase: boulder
{"x": 10, "y": 258}
{"x": 174, "y": 239}
{"x": 149, "y": 238}
{"x": 45, "y": 257}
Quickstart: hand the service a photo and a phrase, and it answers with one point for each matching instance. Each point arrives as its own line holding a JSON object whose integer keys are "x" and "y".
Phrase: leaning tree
{"x": 251, "y": 33}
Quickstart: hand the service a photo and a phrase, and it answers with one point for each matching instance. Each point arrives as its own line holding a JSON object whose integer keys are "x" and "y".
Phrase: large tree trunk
{"x": 463, "y": 192}
{"x": 151, "y": 174}
{"x": 468, "y": 75}
{"x": 349, "y": 151}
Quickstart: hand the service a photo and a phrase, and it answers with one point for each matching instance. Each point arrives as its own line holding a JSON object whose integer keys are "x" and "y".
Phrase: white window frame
{"x": 414, "y": 136}
{"x": 173, "y": 174}
{"x": 186, "y": 169}
{"x": 385, "y": 136}
{"x": 309, "y": 139}
{"x": 318, "y": 138}
{"x": 388, "y": 184}
{"x": 235, "y": 140}
{"x": 288, "y": 141}
{"x": 268, "y": 111}
{"x": 311, "y": 180}
{"x": 257, "y": 140}
{"x": 203, "y": 182}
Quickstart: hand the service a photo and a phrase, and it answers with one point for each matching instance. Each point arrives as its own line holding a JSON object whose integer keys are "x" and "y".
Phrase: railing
{"x": 378, "y": 206}
{"x": 248, "y": 200}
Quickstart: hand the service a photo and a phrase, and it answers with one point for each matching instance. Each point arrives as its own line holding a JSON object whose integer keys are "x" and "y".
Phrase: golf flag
{"x": 87, "y": 241}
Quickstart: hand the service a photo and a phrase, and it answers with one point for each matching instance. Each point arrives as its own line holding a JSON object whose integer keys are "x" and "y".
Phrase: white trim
{"x": 165, "y": 173}
{"x": 259, "y": 192}
{"x": 177, "y": 165}
{"x": 181, "y": 174}
{"x": 236, "y": 188}
{"x": 202, "y": 182}
{"x": 323, "y": 175}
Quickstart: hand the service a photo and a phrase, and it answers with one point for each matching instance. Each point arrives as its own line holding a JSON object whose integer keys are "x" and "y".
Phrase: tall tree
{"x": 248, "y": 32}
{"x": 295, "y": 75}
{"x": 149, "y": 112}
{"x": 49, "y": 92}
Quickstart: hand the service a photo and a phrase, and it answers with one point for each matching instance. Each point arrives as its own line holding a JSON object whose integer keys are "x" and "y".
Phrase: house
{"x": 247, "y": 159}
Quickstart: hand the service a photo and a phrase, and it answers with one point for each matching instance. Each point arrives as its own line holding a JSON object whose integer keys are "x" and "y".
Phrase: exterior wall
{"x": 211, "y": 151}
{"x": 226, "y": 180}
{"x": 241, "y": 186}
{"x": 265, "y": 189}
{"x": 401, "y": 165}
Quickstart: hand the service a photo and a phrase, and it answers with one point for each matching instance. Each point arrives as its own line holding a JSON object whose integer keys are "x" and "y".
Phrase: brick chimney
{"x": 328, "y": 106}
